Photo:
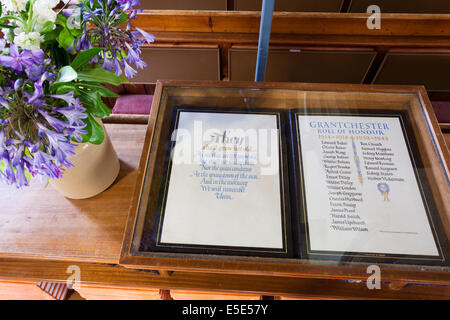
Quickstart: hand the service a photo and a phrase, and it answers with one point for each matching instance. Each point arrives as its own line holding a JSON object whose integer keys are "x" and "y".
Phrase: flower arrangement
{"x": 55, "y": 58}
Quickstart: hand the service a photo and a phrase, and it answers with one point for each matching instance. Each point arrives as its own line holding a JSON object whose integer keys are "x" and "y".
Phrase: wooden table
{"x": 42, "y": 234}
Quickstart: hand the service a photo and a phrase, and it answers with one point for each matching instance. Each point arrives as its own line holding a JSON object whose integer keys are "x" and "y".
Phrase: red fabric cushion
{"x": 442, "y": 110}
{"x": 133, "y": 104}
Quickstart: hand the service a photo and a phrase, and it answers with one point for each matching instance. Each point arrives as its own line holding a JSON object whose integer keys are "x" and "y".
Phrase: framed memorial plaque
{"x": 379, "y": 205}
{"x": 218, "y": 198}
{"x": 294, "y": 180}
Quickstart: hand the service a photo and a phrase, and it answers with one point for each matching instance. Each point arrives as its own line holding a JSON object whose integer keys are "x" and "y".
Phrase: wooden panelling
{"x": 228, "y": 29}
{"x": 179, "y": 63}
{"x": 292, "y": 6}
{"x": 302, "y": 66}
{"x": 22, "y": 290}
{"x": 296, "y": 29}
{"x": 211, "y": 295}
{"x": 293, "y": 23}
{"x": 95, "y": 292}
{"x": 126, "y": 118}
{"x": 430, "y": 70}
{"x": 107, "y": 275}
{"x": 402, "y": 6}
{"x": 184, "y": 4}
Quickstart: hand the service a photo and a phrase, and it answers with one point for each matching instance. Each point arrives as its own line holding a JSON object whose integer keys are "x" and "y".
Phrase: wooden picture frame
{"x": 409, "y": 99}
{"x": 153, "y": 229}
{"x": 418, "y": 177}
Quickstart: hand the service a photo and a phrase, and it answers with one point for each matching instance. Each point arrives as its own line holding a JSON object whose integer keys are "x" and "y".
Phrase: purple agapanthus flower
{"x": 38, "y": 92}
{"x": 35, "y": 72}
{"x": 37, "y": 130}
{"x": 40, "y": 123}
{"x": 121, "y": 52}
{"x": 126, "y": 5}
{"x": 18, "y": 61}
{"x": 74, "y": 113}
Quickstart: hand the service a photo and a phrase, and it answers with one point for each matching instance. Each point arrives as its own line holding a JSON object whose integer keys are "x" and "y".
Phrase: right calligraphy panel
{"x": 362, "y": 195}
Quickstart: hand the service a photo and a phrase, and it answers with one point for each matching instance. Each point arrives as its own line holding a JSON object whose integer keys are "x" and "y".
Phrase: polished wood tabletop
{"x": 39, "y": 222}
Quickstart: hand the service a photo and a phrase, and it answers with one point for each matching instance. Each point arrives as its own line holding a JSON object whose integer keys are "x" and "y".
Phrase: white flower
{"x": 43, "y": 11}
{"x": 12, "y": 33}
{"x": 74, "y": 20}
{"x": 15, "y": 5}
{"x": 49, "y": 4}
{"x": 2, "y": 45}
{"x": 30, "y": 41}
{"x": 19, "y": 28}
{"x": 9, "y": 36}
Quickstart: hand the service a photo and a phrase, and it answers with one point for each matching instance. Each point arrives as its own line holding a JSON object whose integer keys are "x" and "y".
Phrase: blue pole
{"x": 264, "y": 37}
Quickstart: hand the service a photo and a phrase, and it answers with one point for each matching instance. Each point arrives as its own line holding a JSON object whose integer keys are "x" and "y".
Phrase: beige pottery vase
{"x": 96, "y": 167}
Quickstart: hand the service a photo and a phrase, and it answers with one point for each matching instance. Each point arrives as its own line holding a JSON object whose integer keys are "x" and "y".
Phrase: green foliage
{"x": 102, "y": 76}
{"x": 95, "y": 134}
{"x": 51, "y": 35}
{"x": 5, "y": 18}
{"x": 87, "y": 86}
{"x": 104, "y": 92}
{"x": 62, "y": 88}
{"x": 65, "y": 39}
{"x": 84, "y": 57}
{"x": 92, "y": 101}
{"x": 47, "y": 27}
{"x": 60, "y": 55}
{"x": 5, "y": 26}
{"x": 67, "y": 35}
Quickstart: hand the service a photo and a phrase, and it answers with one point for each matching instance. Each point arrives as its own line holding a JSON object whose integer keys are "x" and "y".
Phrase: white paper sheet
{"x": 225, "y": 204}
{"x": 377, "y": 210}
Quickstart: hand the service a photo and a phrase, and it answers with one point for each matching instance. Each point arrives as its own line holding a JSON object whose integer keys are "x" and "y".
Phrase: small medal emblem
{"x": 384, "y": 189}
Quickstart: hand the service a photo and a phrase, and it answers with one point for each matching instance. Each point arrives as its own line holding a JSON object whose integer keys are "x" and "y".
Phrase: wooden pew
{"x": 292, "y": 6}
{"x": 410, "y": 6}
{"x": 428, "y": 35}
